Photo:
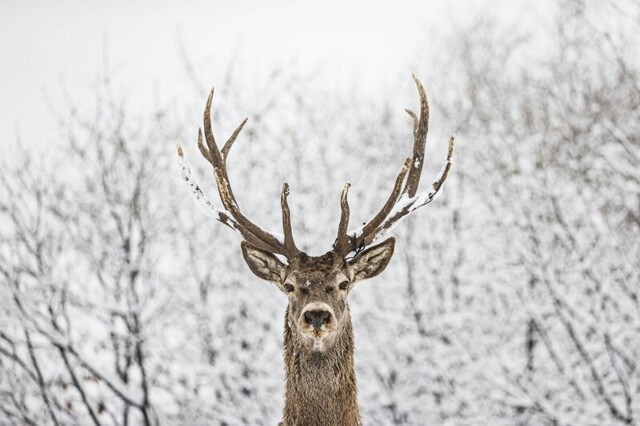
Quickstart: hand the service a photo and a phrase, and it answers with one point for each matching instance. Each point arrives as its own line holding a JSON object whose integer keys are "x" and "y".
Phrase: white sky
{"x": 47, "y": 45}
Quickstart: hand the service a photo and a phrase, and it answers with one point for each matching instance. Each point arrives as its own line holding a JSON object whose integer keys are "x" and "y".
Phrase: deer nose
{"x": 317, "y": 318}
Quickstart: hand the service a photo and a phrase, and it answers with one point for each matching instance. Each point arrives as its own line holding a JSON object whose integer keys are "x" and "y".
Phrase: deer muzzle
{"x": 317, "y": 319}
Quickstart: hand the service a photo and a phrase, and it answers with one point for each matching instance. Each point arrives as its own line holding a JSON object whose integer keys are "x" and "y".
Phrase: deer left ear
{"x": 371, "y": 262}
{"x": 263, "y": 264}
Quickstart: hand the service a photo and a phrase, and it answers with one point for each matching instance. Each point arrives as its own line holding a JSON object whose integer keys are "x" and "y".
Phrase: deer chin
{"x": 318, "y": 340}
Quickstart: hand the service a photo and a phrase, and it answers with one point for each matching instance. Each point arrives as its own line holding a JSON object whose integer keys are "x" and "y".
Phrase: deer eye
{"x": 288, "y": 288}
{"x": 344, "y": 285}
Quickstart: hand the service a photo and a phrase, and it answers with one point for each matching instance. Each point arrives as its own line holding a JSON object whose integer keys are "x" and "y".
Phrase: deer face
{"x": 317, "y": 287}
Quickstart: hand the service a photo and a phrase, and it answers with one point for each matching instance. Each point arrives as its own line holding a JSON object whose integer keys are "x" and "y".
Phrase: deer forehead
{"x": 313, "y": 279}
{"x": 308, "y": 271}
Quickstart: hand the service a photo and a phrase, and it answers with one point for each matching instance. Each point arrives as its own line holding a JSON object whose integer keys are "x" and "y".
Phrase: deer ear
{"x": 263, "y": 264}
{"x": 371, "y": 262}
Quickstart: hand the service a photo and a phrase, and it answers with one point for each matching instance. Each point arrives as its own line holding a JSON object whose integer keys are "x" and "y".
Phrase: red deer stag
{"x": 318, "y": 335}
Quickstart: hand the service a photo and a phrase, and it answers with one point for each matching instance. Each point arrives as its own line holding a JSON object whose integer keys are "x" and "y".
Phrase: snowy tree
{"x": 512, "y": 299}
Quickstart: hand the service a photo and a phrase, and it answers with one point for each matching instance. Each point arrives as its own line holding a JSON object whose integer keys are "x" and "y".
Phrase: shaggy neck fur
{"x": 321, "y": 386}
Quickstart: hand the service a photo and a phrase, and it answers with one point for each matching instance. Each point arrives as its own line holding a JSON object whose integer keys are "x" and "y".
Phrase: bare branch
{"x": 43, "y": 388}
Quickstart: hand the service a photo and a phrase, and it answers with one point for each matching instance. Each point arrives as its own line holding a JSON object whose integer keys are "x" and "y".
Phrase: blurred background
{"x": 512, "y": 299}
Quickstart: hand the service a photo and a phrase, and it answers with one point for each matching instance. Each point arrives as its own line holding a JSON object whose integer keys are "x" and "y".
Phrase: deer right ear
{"x": 371, "y": 262}
{"x": 263, "y": 264}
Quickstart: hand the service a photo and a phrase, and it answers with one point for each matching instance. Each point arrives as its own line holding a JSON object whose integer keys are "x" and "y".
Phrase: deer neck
{"x": 320, "y": 386}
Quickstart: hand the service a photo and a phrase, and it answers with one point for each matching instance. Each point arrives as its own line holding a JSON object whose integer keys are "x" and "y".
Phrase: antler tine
{"x": 420, "y": 129}
{"x": 437, "y": 185}
{"x": 415, "y": 120}
{"x": 250, "y": 231}
{"x": 289, "y": 244}
{"x": 343, "y": 241}
{"x": 227, "y": 146}
{"x": 203, "y": 149}
{"x": 216, "y": 159}
{"x": 214, "y": 152}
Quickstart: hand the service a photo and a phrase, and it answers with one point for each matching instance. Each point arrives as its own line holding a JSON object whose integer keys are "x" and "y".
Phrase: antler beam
{"x": 404, "y": 198}
{"x": 232, "y": 215}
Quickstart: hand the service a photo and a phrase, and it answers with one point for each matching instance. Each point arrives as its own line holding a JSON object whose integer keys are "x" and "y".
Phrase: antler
{"x": 403, "y": 199}
{"x": 231, "y": 215}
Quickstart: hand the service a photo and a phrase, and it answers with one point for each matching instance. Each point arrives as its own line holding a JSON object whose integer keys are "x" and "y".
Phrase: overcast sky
{"x": 46, "y": 46}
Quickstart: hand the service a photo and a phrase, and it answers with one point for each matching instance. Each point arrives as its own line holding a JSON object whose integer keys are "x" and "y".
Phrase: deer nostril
{"x": 324, "y": 317}
{"x": 308, "y": 317}
{"x": 317, "y": 318}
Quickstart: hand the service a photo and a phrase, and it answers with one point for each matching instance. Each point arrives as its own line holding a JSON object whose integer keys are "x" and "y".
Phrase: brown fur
{"x": 320, "y": 386}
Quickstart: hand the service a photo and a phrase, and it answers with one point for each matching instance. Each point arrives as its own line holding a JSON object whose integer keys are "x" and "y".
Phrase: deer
{"x": 320, "y": 385}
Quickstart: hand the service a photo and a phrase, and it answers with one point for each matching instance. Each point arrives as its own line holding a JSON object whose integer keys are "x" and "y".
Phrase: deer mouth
{"x": 317, "y": 338}
{"x": 315, "y": 334}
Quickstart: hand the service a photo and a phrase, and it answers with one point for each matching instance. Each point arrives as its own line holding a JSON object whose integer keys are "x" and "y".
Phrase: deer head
{"x": 318, "y": 286}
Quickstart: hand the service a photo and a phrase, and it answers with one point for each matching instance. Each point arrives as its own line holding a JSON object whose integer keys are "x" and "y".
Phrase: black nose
{"x": 317, "y": 318}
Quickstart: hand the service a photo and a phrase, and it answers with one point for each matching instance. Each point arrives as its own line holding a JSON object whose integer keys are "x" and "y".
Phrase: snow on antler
{"x": 404, "y": 197}
{"x": 201, "y": 200}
